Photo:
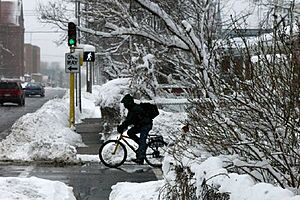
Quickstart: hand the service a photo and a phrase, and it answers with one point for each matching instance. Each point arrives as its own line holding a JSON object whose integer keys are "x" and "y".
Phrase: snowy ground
{"x": 44, "y": 135}
{"x": 33, "y": 189}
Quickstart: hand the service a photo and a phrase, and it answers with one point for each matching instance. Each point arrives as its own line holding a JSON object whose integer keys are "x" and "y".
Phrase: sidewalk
{"x": 91, "y": 132}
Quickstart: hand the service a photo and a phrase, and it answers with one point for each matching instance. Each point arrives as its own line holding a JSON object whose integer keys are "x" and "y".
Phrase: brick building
{"x": 11, "y": 38}
{"x": 32, "y": 59}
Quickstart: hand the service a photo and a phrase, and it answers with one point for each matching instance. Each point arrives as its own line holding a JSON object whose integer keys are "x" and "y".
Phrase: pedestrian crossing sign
{"x": 89, "y": 56}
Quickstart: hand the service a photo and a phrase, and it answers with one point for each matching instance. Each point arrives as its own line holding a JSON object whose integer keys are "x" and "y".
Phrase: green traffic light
{"x": 71, "y": 41}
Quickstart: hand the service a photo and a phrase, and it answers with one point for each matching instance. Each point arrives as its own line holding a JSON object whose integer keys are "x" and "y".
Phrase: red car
{"x": 11, "y": 91}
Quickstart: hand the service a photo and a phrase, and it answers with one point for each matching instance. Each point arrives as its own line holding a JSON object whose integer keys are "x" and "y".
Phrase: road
{"x": 91, "y": 181}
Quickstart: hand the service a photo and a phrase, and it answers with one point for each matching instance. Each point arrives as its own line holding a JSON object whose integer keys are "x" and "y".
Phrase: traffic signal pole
{"x": 72, "y": 96}
{"x": 72, "y": 102}
{"x": 72, "y": 44}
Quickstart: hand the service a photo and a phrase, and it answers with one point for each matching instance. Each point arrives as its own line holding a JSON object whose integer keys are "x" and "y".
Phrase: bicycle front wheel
{"x": 113, "y": 153}
{"x": 155, "y": 152}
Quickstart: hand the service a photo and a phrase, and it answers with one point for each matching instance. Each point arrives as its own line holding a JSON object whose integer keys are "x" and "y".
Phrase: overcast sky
{"x": 50, "y": 52}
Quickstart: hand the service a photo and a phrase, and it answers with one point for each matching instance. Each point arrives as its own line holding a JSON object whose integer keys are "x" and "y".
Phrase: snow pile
{"x": 88, "y": 104}
{"x": 238, "y": 186}
{"x": 34, "y": 188}
{"x": 44, "y": 135}
{"x": 110, "y": 94}
{"x": 140, "y": 191}
{"x": 211, "y": 170}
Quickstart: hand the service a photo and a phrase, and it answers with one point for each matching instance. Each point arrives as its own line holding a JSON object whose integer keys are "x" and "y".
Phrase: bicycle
{"x": 113, "y": 153}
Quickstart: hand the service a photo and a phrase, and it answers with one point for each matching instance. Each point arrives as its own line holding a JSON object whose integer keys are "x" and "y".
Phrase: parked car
{"x": 11, "y": 91}
{"x": 34, "y": 88}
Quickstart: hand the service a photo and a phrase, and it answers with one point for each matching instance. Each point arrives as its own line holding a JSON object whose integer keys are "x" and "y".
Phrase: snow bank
{"x": 44, "y": 135}
{"x": 238, "y": 186}
{"x": 110, "y": 93}
{"x": 140, "y": 191}
{"x": 34, "y": 188}
{"x": 88, "y": 105}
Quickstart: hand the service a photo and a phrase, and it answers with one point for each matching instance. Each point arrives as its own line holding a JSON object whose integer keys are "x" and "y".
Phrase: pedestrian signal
{"x": 89, "y": 56}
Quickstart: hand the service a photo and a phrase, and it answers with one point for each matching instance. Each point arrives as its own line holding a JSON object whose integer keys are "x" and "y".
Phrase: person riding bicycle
{"x": 141, "y": 122}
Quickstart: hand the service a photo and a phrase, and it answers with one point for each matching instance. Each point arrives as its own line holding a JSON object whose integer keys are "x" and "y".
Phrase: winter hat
{"x": 127, "y": 99}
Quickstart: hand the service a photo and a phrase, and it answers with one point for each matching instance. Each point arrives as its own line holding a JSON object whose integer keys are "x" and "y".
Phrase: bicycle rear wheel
{"x": 155, "y": 152}
{"x": 113, "y": 153}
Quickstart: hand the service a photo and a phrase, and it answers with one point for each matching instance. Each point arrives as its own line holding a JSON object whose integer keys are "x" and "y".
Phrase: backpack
{"x": 150, "y": 109}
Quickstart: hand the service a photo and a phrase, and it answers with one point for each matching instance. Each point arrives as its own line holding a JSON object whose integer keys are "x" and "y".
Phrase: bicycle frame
{"x": 122, "y": 138}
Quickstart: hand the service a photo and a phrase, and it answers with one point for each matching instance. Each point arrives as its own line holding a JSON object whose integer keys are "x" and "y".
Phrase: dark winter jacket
{"x": 136, "y": 115}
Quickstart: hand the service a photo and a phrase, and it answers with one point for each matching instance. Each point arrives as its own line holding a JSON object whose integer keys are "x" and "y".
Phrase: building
{"x": 11, "y": 38}
{"x": 32, "y": 59}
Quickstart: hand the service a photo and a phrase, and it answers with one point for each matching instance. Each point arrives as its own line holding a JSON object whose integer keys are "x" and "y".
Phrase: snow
{"x": 44, "y": 135}
{"x": 34, "y": 189}
{"x": 142, "y": 191}
{"x": 111, "y": 92}
{"x": 41, "y": 135}
{"x": 237, "y": 186}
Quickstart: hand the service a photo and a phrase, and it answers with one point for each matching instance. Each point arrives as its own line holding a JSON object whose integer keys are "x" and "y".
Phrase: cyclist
{"x": 142, "y": 124}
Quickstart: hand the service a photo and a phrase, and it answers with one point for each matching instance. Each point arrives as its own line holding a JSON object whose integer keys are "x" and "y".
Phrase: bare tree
{"x": 180, "y": 34}
{"x": 257, "y": 117}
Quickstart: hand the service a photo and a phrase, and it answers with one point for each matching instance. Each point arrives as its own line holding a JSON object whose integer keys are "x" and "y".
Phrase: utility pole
{"x": 1, "y": 60}
{"x": 78, "y": 84}
{"x": 76, "y": 76}
{"x": 0, "y": 12}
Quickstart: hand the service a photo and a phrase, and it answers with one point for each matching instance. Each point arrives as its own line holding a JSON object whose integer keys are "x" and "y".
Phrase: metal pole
{"x": 94, "y": 78}
{"x": 91, "y": 77}
{"x": 87, "y": 76}
{"x": 76, "y": 75}
{"x": 79, "y": 89}
{"x": 0, "y": 12}
{"x": 72, "y": 107}
{"x": 97, "y": 82}
{"x": 79, "y": 80}
{"x": 76, "y": 89}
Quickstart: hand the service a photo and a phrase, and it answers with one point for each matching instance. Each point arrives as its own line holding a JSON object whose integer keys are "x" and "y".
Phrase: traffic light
{"x": 71, "y": 34}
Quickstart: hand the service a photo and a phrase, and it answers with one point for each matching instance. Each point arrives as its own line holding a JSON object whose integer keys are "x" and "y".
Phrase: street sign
{"x": 72, "y": 62}
{"x": 89, "y": 56}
